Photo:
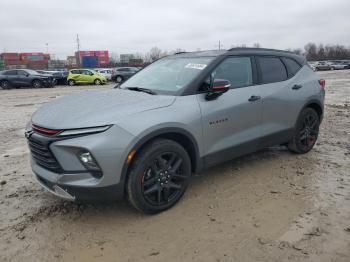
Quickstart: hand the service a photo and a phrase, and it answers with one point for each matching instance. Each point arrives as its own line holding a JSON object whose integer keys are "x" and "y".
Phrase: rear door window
{"x": 10, "y": 73}
{"x": 272, "y": 70}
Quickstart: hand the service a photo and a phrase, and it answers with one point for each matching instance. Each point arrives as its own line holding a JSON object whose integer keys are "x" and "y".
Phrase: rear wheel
{"x": 159, "y": 176}
{"x": 37, "y": 84}
{"x": 5, "y": 84}
{"x": 71, "y": 82}
{"x": 305, "y": 132}
{"x": 119, "y": 79}
{"x": 97, "y": 82}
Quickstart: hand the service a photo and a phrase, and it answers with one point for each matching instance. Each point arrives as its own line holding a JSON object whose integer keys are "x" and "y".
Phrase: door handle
{"x": 297, "y": 87}
{"x": 254, "y": 98}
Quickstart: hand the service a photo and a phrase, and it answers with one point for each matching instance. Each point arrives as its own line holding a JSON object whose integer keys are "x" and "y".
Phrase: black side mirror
{"x": 218, "y": 87}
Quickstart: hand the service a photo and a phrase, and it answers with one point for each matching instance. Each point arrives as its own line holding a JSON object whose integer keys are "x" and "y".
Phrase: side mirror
{"x": 218, "y": 87}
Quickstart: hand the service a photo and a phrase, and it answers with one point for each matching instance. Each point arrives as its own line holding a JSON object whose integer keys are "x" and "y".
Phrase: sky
{"x": 131, "y": 26}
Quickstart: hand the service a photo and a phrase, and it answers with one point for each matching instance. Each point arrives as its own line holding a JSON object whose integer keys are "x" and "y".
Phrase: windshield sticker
{"x": 196, "y": 66}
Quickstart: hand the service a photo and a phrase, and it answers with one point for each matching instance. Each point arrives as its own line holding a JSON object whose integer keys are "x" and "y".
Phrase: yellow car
{"x": 85, "y": 76}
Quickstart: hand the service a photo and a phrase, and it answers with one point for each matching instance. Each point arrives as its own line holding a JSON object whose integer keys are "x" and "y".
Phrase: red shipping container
{"x": 10, "y": 56}
{"x": 86, "y": 53}
{"x": 103, "y": 60}
{"x": 30, "y": 54}
{"x": 13, "y": 62}
{"x": 101, "y": 53}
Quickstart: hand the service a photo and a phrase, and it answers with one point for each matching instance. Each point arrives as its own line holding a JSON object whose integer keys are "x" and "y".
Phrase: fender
{"x": 314, "y": 101}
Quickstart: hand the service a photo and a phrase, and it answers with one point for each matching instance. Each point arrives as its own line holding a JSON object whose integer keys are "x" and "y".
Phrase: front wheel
{"x": 37, "y": 84}
{"x": 305, "y": 132}
{"x": 97, "y": 82}
{"x": 159, "y": 176}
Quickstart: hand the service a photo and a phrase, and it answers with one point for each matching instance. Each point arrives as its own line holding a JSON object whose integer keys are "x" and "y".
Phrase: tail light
{"x": 322, "y": 83}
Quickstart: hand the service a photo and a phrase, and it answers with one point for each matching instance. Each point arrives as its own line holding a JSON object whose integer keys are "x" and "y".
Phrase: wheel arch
{"x": 179, "y": 135}
{"x": 317, "y": 106}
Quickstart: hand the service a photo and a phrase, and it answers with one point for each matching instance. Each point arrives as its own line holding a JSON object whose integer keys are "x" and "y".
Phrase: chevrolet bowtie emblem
{"x": 28, "y": 134}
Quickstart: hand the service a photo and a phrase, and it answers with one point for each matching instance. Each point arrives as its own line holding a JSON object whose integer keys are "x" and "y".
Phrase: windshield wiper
{"x": 140, "y": 89}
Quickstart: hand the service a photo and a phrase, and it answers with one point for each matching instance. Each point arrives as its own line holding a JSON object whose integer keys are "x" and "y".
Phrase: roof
{"x": 242, "y": 51}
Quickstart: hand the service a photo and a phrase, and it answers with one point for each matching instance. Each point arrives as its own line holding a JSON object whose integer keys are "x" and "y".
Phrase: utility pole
{"x": 78, "y": 50}
{"x": 219, "y": 45}
{"x": 78, "y": 43}
{"x": 47, "y": 48}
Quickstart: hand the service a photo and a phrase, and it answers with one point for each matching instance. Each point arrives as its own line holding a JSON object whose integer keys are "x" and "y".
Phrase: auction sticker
{"x": 196, "y": 66}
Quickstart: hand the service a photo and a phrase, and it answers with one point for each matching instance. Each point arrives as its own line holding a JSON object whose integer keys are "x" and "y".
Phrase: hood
{"x": 96, "y": 108}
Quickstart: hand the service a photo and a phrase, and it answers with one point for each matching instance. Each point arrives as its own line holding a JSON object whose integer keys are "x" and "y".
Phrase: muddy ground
{"x": 267, "y": 206}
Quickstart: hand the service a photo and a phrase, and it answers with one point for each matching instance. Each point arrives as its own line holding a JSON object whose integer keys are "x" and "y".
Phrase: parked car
{"x": 123, "y": 73}
{"x": 335, "y": 65}
{"x": 25, "y": 77}
{"x": 85, "y": 76}
{"x": 312, "y": 65}
{"x": 107, "y": 73}
{"x": 176, "y": 117}
{"x": 346, "y": 64}
{"x": 322, "y": 65}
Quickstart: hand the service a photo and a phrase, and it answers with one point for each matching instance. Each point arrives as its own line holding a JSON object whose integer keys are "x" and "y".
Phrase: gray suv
{"x": 174, "y": 118}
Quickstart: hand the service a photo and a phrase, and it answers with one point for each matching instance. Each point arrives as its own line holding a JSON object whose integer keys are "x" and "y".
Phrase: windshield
{"x": 168, "y": 75}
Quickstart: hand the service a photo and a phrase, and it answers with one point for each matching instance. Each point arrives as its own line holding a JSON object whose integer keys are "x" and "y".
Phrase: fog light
{"x": 88, "y": 161}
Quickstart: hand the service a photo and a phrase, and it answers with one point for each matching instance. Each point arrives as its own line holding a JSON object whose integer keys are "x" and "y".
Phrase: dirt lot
{"x": 267, "y": 206}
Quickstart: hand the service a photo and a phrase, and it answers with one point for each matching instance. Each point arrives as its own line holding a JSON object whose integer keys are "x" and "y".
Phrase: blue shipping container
{"x": 89, "y": 61}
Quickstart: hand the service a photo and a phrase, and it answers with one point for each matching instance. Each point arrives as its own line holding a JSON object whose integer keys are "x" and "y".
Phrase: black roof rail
{"x": 182, "y": 52}
{"x": 257, "y": 49}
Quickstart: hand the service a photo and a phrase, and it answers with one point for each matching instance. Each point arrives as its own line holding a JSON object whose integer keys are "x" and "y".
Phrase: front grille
{"x": 42, "y": 155}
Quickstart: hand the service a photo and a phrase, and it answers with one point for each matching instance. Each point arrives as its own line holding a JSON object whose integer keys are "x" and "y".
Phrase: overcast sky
{"x": 137, "y": 25}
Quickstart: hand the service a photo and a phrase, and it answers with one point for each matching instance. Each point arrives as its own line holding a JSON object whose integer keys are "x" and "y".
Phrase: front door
{"x": 232, "y": 122}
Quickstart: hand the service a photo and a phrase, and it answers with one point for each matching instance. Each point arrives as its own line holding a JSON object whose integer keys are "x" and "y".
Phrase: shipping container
{"x": 12, "y": 62}
{"x": 102, "y": 53}
{"x": 86, "y": 53}
{"x": 9, "y": 56}
{"x": 29, "y": 54}
{"x": 89, "y": 61}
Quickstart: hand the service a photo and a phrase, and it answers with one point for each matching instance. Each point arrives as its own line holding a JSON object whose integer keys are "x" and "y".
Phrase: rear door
{"x": 75, "y": 75}
{"x": 231, "y": 123}
{"x": 11, "y": 76}
{"x": 282, "y": 97}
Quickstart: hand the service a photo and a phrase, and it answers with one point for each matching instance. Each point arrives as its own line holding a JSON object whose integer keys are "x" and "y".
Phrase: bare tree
{"x": 155, "y": 53}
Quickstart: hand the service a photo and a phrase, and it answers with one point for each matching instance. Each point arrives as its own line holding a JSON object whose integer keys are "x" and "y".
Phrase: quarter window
{"x": 272, "y": 70}
{"x": 292, "y": 66}
{"x": 10, "y": 73}
{"x": 237, "y": 70}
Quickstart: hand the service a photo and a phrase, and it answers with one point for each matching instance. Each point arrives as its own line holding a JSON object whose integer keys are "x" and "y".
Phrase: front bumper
{"x": 69, "y": 179}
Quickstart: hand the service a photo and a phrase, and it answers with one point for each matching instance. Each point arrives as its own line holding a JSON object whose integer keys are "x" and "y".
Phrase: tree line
{"x": 312, "y": 52}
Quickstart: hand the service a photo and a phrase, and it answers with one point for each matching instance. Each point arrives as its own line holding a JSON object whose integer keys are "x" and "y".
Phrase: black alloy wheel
{"x": 158, "y": 176}
{"x": 306, "y": 132}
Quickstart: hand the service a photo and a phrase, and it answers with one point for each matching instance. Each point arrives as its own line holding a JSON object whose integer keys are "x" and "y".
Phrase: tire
{"x": 37, "y": 84}
{"x": 119, "y": 79}
{"x": 158, "y": 176}
{"x": 305, "y": 132}
{"x": 5, "y": 84}
{"x": 97, "y": 82}
{"x": 71, "y": 82}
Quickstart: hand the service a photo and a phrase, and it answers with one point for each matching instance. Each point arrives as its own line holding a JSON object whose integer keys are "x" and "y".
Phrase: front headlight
{"x": 81, "y": 131}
